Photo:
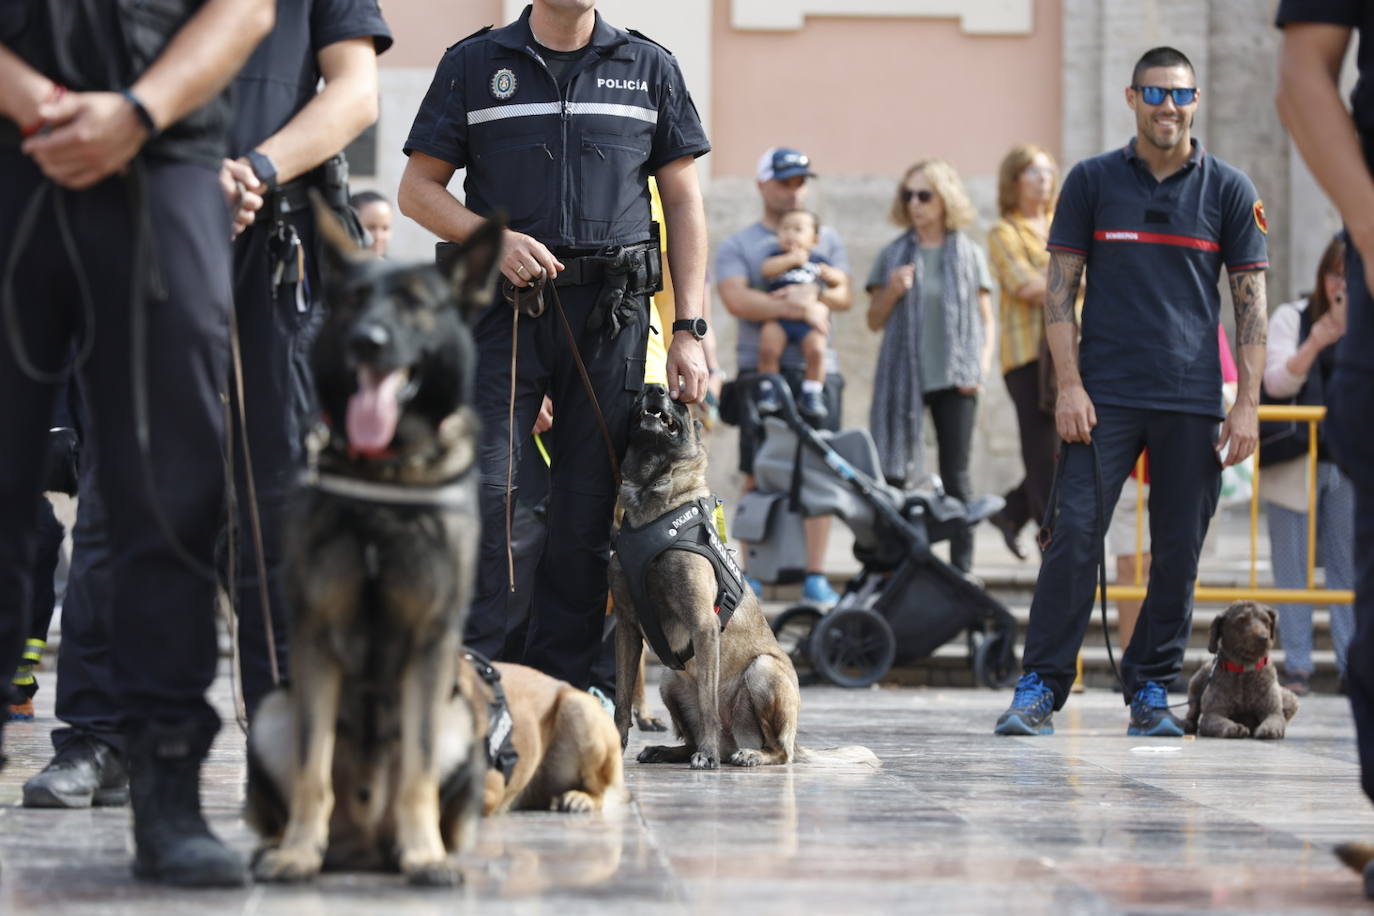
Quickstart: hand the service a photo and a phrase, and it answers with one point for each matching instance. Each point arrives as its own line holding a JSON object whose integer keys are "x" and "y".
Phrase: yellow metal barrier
{"x": 1206, "y": 594}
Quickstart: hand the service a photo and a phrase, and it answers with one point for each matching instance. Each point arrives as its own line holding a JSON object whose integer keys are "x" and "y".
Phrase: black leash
{"x": 530, "y": 300}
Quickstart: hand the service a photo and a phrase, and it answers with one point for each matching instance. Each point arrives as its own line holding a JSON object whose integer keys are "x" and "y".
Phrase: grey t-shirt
{"x": 935, "y": 373}
{"x": 742, "y": 255}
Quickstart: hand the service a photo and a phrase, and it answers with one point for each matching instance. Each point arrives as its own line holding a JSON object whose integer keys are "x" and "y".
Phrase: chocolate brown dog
{"x": 1238, "y": 695}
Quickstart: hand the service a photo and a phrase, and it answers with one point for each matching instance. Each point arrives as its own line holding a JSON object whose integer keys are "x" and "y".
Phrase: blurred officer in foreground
{"x": 111, "y": 145}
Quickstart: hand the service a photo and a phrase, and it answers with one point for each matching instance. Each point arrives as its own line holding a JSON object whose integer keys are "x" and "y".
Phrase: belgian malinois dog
{"x": 737, "y": 699}
{"x": 567, "y": 752}
{"x": 371, "y": 759}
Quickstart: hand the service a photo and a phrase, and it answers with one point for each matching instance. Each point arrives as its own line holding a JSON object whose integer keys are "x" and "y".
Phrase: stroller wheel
{"x": 853, "y": 647}
{"x": 994, "y": 661}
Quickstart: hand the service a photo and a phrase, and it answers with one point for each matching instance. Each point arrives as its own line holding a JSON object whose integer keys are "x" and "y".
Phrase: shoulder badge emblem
{"x": 1260, "y": 222}
{"x": 503, "y": 84}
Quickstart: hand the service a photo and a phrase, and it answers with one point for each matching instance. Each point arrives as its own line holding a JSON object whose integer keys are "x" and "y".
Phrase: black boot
{"x": 172, "y": 842}
{"x": 84, "y": 772}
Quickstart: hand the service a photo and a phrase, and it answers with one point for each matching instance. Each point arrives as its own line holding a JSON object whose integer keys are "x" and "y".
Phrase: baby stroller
{"x": 905, "y": 601}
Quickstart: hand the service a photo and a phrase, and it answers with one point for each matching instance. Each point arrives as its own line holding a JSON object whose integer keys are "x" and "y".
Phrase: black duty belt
{"x": 500, "y": 747}
{"x": 689, "y": 527}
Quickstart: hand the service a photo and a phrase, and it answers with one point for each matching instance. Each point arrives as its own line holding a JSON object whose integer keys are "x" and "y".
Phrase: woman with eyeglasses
{"x": 1300, "y": 358}
{"x": 929, "y": 293}
{"x": 1027, "y": 183}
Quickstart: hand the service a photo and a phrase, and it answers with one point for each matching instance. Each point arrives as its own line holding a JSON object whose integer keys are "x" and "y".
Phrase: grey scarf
{"x": 895, "y": 415}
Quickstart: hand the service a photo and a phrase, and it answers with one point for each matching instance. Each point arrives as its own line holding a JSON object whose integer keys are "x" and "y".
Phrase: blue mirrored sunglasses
{"x": 1154, "y": 95}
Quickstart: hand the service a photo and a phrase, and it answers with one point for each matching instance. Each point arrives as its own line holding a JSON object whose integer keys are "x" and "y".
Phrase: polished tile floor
{"x": 954, "y": 821}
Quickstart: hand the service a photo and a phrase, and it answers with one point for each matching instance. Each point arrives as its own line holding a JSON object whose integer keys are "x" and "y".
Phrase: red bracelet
{"x": 54, "y": 95}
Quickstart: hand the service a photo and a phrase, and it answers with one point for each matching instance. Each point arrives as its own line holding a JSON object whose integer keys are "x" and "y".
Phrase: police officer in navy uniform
{"x": 282, "y": 133}
{"x": 1338, "y": 145}
{"x": 111, "y": 141}
{"x": 559, "y": 119}
{"x": 291, "y": 136}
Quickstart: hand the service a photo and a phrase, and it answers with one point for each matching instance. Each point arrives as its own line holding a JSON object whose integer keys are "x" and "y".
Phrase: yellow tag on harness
{"x": 719, "y": 516}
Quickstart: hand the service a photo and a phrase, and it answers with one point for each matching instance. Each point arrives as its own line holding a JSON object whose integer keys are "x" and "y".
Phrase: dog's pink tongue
{"x": 374, "y": 411}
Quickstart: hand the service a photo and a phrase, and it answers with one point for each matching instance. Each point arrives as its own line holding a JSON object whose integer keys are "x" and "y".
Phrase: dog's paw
{"x": 1235, "y": 730}
{"x": 650, "y": 723}
{"x": 287, "y": 864}
{"x": 433, "y": 874}
{"x": 704, "y": 761}
{"x": 573, "y": 802}
{"x": 1269, "y": 731}
{"x": 660, "y": 753}
{"x": 746, "y": 757}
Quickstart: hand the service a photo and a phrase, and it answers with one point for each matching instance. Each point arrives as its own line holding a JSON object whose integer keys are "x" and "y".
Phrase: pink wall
{"x": 424, "y": 29}
{"x": 870, "y": 96}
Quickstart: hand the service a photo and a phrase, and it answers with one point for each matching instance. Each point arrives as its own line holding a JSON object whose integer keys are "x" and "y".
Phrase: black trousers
{"x": 277, "y": 327}
{"x": 954, "y": 414}
{"x": 1185, "y": 485}
{"x": 86, "y": 701}
{"x": 568, "y": 603}
{"x": 162, "y": 633}
{"x": 1350, "y": 402}
{"x": 1039, "y": 442}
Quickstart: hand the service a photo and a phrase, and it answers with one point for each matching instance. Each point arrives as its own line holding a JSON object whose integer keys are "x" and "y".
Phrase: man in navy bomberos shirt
{"x": 1316, "y": 34}
{"x": 1153, "y": 223}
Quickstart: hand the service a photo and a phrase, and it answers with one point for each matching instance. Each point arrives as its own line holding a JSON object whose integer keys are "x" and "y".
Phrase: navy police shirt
{"x": 282, "y": 74}
{"x": 1154, "y": 253}
{"x": 568, "y": 167}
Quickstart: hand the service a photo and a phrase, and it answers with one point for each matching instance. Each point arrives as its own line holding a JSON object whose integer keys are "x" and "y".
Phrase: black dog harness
{"x": 501, "y": 753}
{"x": 689, "y": 527}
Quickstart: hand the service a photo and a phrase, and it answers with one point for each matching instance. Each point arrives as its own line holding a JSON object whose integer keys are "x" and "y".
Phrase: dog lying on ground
{"x": 369, "y": 760}
{"x": 567, "y": 755}
{"x": 1238, "y": 695}
{"x": 736, "y": 699}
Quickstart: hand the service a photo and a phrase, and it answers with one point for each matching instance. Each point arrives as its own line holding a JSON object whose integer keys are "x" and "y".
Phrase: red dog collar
{"x": 1233, "y": 668}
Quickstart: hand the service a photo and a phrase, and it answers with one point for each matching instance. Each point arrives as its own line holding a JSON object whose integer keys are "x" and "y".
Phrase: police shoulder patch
{"x": 642, "y": 37}
{"x": 482, "y": 31}
{"x": 1260, "y": 222}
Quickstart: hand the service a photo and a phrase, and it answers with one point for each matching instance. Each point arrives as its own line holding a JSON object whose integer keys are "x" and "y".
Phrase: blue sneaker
{"x": 768, "y": 401}
{"x": 1150, "y": 715}
{"x": 1032, "y": 708}
{"x": 817, "y": 590}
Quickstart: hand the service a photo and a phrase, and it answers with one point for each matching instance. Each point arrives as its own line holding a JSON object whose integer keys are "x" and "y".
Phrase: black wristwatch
{"x": 263, "y": 167}
{"x": 695, "y": 326}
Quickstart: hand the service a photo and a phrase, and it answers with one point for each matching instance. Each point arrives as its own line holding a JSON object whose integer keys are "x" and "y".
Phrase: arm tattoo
{"x": 1247, "y": 294}
{"x": 1062, "y": 285}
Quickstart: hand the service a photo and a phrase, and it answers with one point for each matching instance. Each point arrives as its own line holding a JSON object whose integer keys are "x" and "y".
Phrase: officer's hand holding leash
{"x": 88, "y": 136}
{"x": 523, "y": 259}
{"x": 242, "y": 192}
{"x": 686, "y": 368}
{"x": 1074, "y": 414}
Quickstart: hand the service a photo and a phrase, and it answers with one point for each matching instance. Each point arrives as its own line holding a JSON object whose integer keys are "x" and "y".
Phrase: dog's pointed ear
{"x": 1214, "y": 636}
{"x": 341, "y": 252}
{"x": 473, "y": 270}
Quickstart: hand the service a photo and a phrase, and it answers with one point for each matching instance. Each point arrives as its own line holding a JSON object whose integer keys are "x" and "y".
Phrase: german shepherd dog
{"x": 370, "y": 758}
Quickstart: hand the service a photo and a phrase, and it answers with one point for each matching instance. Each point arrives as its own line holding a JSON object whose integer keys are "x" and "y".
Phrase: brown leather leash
{"x": 530, "y": 301}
